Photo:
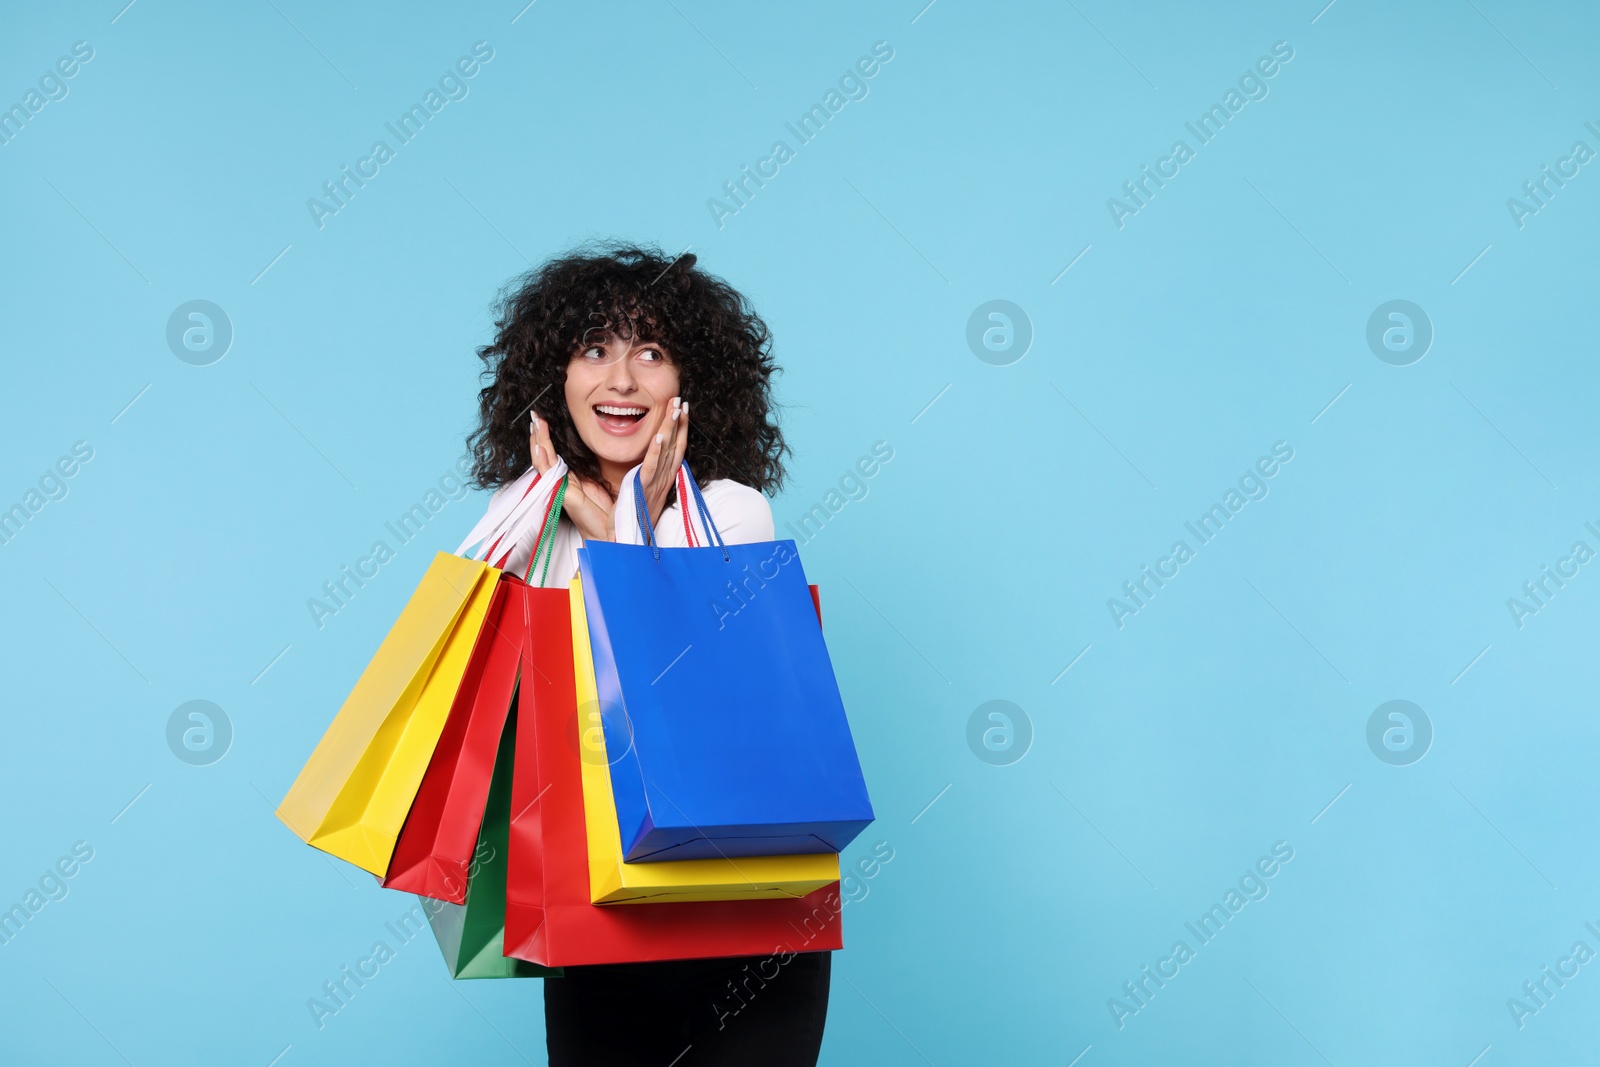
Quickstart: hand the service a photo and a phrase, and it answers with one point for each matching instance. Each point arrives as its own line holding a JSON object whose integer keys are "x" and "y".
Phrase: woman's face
{"x": 618, "y": 390}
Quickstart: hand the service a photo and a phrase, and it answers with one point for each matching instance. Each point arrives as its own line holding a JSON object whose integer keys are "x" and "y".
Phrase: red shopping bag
{"x": 549, "y": 919}
{"x": 435, "y": 847}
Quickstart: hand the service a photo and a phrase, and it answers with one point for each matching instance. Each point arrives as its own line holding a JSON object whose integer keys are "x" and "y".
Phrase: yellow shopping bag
{"x": 612, "y": 881}
{"x": 354, "y": 792}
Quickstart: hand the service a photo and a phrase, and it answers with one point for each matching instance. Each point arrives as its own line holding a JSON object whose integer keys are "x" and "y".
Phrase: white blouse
{"x": 740, "y": 512}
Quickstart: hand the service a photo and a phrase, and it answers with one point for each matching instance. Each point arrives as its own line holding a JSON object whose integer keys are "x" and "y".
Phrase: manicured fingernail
{"x": 686, "y": 407}
{"x": 658, "y": 439}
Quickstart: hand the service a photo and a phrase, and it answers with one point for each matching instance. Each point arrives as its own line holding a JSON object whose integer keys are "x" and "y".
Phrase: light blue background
{"x": 1223, "y": 317}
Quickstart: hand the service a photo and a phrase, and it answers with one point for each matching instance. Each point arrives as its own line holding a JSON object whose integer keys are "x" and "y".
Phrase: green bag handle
{"x": 547, "y": 536}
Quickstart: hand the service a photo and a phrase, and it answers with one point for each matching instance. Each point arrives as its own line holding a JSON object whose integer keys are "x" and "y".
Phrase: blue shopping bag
{"x": 722, "y": 718}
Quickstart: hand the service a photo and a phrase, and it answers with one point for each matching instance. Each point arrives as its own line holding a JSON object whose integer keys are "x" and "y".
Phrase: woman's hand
{"x": 587, "y": 504}
{"x": 664, "y": 456}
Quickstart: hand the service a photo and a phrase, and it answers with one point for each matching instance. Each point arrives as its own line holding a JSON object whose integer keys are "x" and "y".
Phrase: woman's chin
{"x": 621, "y": 454}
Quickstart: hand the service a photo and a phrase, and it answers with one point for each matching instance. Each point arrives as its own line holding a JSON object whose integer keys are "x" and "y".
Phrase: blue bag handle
{"x": 700, "y": 505}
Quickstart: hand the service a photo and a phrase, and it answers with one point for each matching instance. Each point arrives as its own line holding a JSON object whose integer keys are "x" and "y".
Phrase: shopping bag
{"x": 351, "y": 797}
{"x": 723, "y": 720}
{"x": 611, "y": 881}
{"x": 435, "y": 846}
{"x": 470, "y": 934}
{"x": 549, "y": 917}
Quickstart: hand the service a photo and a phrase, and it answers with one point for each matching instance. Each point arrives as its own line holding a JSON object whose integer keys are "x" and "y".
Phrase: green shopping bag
{"x": 471, "y": 935}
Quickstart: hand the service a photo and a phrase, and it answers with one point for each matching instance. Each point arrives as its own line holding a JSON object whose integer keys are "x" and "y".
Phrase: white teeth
{"x": 611, "y": 409}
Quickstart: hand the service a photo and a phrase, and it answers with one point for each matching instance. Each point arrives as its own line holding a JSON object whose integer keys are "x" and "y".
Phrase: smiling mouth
{"x": 620, "y": 419}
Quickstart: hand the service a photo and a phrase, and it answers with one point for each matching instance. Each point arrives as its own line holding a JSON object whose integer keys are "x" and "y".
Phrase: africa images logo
{"x": 342, "y": 189}
{"x": 1252, "y": 85}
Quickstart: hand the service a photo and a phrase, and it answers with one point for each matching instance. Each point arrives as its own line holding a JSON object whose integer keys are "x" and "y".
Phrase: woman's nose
{"x": 619, "y": 376}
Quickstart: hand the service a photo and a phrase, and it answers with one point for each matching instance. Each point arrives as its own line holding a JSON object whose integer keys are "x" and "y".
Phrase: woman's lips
{"x": 613, "y": 422}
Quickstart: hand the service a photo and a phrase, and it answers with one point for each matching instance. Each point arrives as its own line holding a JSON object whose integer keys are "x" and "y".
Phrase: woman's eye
{"x": 594, "y": 353}
{"x": 651, "y": 354}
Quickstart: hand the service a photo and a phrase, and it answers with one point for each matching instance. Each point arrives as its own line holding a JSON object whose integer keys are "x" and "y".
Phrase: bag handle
{"x": 705, "y": 512}
{"x": 648, "y": 527}
{"x": 547, "y": 535}
{"x": 528, "y": 501}
{"x": 489, "y": 552}
{"x": 498, "y": 515}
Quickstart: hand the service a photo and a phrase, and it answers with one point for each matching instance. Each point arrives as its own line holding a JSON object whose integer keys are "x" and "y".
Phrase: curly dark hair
{"x": 721, "y": 347}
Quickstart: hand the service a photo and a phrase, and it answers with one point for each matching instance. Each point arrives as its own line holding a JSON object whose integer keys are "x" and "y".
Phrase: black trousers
{"x": 746, "y": 1010}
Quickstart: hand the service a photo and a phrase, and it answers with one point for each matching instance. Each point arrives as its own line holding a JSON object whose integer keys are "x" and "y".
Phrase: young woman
{"x": 599, "y": 357}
